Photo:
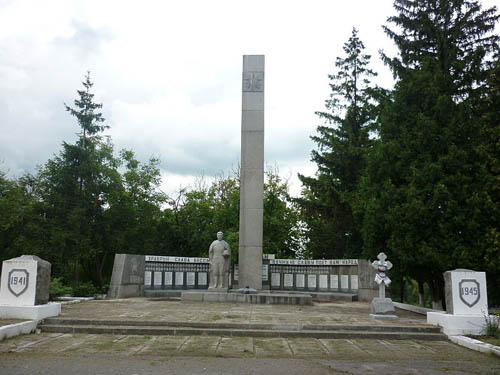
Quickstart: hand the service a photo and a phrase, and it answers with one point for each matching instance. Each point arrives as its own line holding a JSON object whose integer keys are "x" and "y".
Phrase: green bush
{"x": 85, "y": 289}
{"x": 58, "y": 289}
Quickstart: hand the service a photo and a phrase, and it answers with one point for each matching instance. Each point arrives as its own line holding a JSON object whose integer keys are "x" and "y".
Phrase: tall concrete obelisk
{"x": 252, "y": 173}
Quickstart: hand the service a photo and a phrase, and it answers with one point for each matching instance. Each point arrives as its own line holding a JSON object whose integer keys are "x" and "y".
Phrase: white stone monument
{"x": 466, "y": 303}
{"x": 24, "y": 289}
{"x": 252, "y": 173}
{"x": 382, "y": 307}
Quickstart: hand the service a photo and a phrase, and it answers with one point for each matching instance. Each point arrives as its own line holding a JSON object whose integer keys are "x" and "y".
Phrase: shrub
{"x": 58, "y": 289}
{"x": 85, "y": 289}
{"x": 492, "y": 326}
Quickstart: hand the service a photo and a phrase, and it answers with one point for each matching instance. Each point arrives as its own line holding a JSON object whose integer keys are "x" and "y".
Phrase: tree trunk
{"x": 421, "y": 295}
{"x": 436, "y": 294}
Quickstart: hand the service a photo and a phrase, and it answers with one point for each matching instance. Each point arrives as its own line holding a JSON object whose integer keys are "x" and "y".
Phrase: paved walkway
{"x": 176, "y": 311}
{"x": 56, "y": 353}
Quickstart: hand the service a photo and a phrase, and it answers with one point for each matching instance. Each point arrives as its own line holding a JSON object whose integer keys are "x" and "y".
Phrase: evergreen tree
{"x": 343, "y": 140}
{"x": 422, "y": 197}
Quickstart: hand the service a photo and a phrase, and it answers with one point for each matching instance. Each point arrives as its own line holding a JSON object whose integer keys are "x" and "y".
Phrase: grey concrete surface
{"x": 251, "y": 173}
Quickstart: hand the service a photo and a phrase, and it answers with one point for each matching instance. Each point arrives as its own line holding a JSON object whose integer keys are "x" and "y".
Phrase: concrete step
{"x": 247, "y": 326}
{"x": 186, "y": 331}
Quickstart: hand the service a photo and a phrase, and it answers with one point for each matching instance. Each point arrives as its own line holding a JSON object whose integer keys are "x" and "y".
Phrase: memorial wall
{"x": 329, "y": 275}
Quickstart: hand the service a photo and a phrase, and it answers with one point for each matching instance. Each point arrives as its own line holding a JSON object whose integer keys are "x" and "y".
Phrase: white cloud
{"x": 169, "y": 75}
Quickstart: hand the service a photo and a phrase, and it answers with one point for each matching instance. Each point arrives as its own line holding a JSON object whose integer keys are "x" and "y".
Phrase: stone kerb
{"x": 466, "y": 303}
{"x": 24, "y": 289}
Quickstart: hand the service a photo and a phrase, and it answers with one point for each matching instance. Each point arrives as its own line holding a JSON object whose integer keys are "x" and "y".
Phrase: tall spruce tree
{"x": 422, "y": 197}
{"x": 342, "y": 142}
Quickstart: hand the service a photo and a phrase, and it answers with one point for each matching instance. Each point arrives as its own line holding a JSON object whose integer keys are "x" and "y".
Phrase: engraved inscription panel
{"x": 190, "y": 278}
{"x": 334, "y": 281}
{"x": 344, "y": 281}
{"x": 311, "y": 281}
{"x": 275, "y": 279}
{"x": 202, "y": 278}
{"x": 168, "y": 278}
{"x": 147, "y": 278}
{"x": 354, "y": 282}
{"x": 179, "y": 278}
{"x": 288, "y": 280}
{"x": 300, "y": 280}
{"x": 323, "y": 281}
{"x": 253, "y": 81}
{"x": 157, "y": 279}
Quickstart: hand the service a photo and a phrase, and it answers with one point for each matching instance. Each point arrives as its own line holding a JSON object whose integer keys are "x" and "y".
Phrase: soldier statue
{"x": 219, "y": 254}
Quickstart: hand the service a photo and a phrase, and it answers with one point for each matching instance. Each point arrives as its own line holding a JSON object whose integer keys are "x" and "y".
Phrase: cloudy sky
{"x": 169, "y": 76}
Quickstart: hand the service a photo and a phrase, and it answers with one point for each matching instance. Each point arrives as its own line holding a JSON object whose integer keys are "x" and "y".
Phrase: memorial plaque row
{"x": 313, "y": 281}
{"x": 175, "y": 279}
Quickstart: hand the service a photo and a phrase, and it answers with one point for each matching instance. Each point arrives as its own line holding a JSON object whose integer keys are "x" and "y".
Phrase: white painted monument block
{"x": 24, "y": 289}
{"x": 466, "y": 292}
{"x": 466, "y": 303}
{"x": 20, "y": 279}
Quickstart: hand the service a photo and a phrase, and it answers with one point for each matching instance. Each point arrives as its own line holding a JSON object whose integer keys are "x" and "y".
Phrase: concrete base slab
{"x": 37, "y": 312}
{"x": 382, "y": 306}
{"x": 381, "y": 316}
{"x": 259, "y": 298}
{"x": 17, "y": 329}
{"x": 457, "y": 324}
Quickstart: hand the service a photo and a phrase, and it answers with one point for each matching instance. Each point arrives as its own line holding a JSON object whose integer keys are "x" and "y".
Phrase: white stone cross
{"x": 381, "y": 265}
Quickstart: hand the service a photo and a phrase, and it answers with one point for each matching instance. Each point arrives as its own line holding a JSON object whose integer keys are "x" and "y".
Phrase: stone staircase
{"x": 320, "y": 331}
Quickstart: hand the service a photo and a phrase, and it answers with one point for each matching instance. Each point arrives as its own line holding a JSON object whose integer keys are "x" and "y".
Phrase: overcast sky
{"x": 169, "y": 76}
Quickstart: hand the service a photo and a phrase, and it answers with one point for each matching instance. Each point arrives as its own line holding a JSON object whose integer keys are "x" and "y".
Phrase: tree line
{"x": 412, "y": 171}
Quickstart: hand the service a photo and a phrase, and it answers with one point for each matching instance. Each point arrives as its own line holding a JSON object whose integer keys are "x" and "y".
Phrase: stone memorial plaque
{"x": 334, "y": 281}
{"x": 354, "y": 282}
{"x": 288, "y": 280}
{"x": 323, "y": 281}
{"x": 25, "y": 281}
{"x": 179, "y": 278}
{"x": 300, "y": 280}
{"x": 147, "y": 278}
{"x": 311, "y": 281}
{"x": 265, "y": 272}
{"x": 168, "y": 278}
{"x": 157, "y": 279}
{"x": 190, "y": 278}
{"x": 202, "y": 278}
{"x": 344, "y": 281}
{"x": 465, "y": 292}
{"x": 275, "y": 279}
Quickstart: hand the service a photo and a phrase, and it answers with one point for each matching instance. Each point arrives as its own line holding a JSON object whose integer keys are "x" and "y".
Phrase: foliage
{"x": 58, "y": 289}
{"x": 422, "y": 195}
{"x": 343, "y": 141}
{"x": 492, "y": 325}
